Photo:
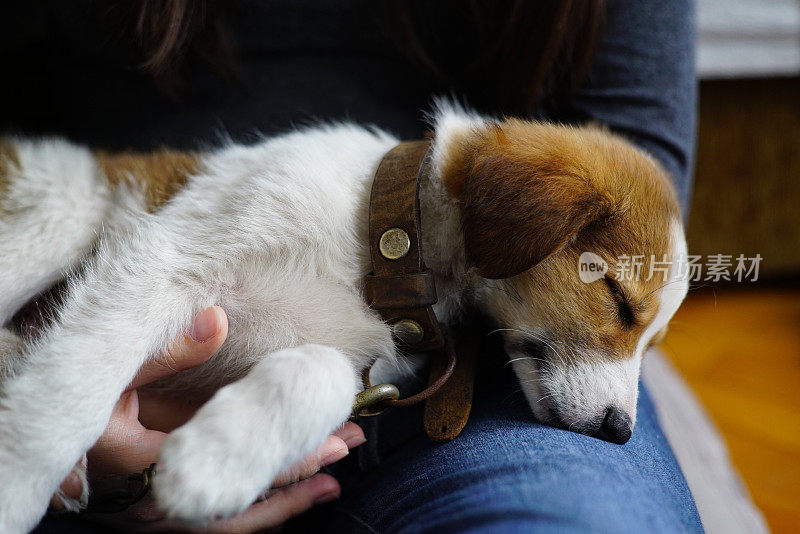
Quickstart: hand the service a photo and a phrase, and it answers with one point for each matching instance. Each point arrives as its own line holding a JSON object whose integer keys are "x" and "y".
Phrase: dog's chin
{"x": 527, "y": 371}
{"x": 538, "y": 400}
{"x": 541, "y": 409}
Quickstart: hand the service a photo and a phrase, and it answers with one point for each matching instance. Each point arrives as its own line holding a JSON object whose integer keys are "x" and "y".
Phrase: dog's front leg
{"x": 232, "y": 449}
{"x": 58, "y": 402}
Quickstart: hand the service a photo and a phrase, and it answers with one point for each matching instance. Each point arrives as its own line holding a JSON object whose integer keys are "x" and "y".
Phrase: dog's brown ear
{"x": 516, "y": 213}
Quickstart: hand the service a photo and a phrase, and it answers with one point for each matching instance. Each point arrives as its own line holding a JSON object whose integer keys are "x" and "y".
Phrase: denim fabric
{"x": 506, "y": 473}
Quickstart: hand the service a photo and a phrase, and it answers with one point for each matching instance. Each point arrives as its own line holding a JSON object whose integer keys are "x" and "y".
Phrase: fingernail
{"x": 335, "y": 456}
{"x": 204, "y": 326}
{"x": 326, "y": 497}
{"x": 349, "y": 432}
{"x": 355, "y": 441}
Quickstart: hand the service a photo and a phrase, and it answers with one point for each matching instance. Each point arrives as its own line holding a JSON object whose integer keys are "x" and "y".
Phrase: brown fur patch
{"x": 534, "y": 197}
{"x": 528, "y": 188}
{"x": 158, "y": 174}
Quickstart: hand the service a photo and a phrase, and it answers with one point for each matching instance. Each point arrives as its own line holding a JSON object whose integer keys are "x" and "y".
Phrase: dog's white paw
{"x": 205, "y": 473}
{"x": 222, "y": 460}
{"x": 70, "y": 504}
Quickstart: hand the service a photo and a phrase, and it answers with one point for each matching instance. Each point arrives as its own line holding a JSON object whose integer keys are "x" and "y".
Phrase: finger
{"x": 203, "y": 339}
{"x": 125, "y": 446}
{"x": 134, "y": 453}
{"x": 333, "y": 450}
{"x": 71, "y": 487}
{"x": 73, "y": 491}
{"x": 351, "y": 434}
{"x": 281, "y": 506}
{"x": 166, "y": 412}
{"x": 336, "y": 447}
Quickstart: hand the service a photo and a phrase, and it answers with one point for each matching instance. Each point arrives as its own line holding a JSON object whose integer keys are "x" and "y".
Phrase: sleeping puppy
{"x": 276, "y": 234}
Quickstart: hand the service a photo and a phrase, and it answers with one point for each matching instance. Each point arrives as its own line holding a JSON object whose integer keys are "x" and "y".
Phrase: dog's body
{"x": 276, "y": 234}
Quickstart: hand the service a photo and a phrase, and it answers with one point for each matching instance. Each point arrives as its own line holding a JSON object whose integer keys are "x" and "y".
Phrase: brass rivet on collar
{"x": 394, "y": 244}
{"x": 408, "y": 332}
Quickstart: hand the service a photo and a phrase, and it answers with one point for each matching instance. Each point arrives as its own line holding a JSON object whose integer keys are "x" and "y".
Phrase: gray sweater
{"x": 309, "y": 60}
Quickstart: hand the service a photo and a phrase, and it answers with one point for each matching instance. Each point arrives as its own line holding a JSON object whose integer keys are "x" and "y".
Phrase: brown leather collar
{"x": 402, "y": 289}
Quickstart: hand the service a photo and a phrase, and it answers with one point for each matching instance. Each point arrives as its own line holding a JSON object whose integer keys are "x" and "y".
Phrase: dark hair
{"x": 512, "y": 52}
{"x": 509, "y": 52}
{"x": 172, "y": 36}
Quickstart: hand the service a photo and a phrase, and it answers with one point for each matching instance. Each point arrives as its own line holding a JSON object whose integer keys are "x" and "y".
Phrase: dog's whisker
{"x": 533, "y": 380}
{"x": 496, "y": 330}
{"x": 548, "y": 396}
{"x": 526, "y": 358}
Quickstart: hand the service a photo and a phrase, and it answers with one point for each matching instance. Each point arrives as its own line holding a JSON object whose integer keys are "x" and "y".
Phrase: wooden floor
{"x": 739, "y": 349}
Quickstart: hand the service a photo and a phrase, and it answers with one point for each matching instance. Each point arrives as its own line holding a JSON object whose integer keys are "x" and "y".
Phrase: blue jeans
{"x": 506, "y": 473}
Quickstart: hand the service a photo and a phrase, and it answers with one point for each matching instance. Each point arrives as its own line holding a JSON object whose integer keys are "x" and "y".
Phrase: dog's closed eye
{"x": 625, "y": 310}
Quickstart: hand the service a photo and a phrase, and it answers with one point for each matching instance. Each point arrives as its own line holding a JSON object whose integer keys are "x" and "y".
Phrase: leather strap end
{"x": 447, "y": 410}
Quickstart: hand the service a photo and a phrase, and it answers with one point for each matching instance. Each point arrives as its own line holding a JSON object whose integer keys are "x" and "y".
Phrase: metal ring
{"x": 372, "y": 397}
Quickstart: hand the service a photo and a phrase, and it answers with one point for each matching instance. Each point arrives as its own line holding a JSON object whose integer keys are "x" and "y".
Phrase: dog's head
{"x": 557, "y": 221}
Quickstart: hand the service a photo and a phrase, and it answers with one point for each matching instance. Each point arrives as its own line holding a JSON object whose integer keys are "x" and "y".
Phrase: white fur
{"x": 275, "y": 233}
{"x": 442, "y": 238}
{"x": 49, "y": 217}
{"x": 11, "y": 348}
{"x": 219, "y": 462}
{"x": 581, "y": 392}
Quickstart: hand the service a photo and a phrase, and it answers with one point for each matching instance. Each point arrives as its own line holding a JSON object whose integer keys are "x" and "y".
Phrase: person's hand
{"x": 128, "y": 446}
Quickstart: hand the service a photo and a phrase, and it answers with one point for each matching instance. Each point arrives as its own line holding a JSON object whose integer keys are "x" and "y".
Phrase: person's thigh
{"x": 506, "y": 473}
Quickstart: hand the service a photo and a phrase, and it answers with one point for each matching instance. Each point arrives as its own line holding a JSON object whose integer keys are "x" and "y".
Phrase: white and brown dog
{"x": 276, "y": 233}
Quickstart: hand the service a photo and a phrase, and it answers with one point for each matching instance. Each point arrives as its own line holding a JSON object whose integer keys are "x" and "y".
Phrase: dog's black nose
{"x": 616, "y": 426}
